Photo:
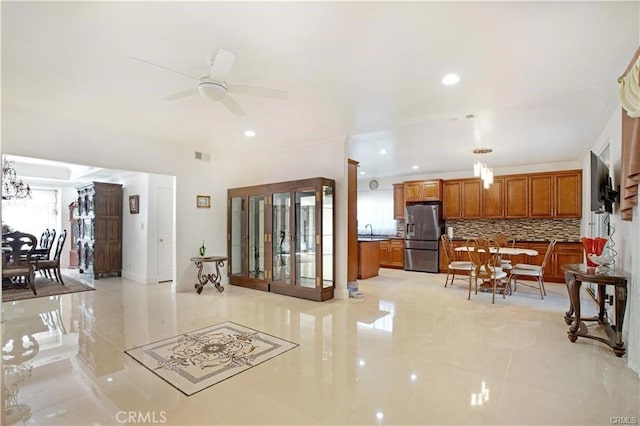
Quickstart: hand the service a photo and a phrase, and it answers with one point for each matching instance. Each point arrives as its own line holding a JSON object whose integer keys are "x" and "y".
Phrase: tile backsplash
{"x": 520, "y": 229}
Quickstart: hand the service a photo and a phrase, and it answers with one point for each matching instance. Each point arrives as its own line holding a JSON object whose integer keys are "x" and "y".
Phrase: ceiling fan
{"x": 213, "y": 86}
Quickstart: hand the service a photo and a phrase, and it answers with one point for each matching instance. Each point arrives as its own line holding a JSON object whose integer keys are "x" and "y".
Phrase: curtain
{"x": 630, "y": 100}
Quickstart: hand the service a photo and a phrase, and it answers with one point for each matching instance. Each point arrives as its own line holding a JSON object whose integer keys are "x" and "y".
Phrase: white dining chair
{"x": 527, "y": 270}
{"x": 453, "y": 264}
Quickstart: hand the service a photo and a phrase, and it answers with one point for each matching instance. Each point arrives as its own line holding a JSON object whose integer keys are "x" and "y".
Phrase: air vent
{"x": 202, "y": 156}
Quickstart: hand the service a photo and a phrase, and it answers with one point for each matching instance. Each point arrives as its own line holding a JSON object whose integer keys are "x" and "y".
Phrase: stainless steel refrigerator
{"x": 423, "y": 227}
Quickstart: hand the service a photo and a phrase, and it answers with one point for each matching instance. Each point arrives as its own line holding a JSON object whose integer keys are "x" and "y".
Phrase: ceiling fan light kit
{"x": 212, "y": 90}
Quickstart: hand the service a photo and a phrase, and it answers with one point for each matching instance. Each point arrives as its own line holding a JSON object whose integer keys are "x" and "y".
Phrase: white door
{"x": 165, "y": 234}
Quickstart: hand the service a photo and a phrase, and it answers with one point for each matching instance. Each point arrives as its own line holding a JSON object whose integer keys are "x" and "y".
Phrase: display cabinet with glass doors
{"x": 281, "y": 237}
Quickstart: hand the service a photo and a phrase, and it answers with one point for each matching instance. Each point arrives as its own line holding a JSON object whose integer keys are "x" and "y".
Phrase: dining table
{"x": 505, "y": 250}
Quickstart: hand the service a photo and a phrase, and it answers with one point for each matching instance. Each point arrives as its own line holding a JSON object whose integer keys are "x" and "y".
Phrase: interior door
{"x": 165, "y": 234}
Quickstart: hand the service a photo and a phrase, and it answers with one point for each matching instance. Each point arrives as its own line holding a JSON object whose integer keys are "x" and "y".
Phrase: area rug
{"x": 196, "y": 360}
{"x": 44, "y": 287}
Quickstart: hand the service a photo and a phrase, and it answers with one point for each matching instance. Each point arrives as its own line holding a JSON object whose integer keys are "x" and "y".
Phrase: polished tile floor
{"x": 409, "y": 352}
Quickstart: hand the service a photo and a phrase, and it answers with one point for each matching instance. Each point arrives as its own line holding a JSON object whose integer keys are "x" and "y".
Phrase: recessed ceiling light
{"x": 249, "y": 133}
{"x": 450, "y": 79}
{"x": 415, "y": 167}
{"x": 383, "y": 151}
{"x": 362, "y": 173}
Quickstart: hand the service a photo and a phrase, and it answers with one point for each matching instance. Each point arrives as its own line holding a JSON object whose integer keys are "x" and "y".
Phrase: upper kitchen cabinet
{"x": 452, "y": 199}
{"x": 424, "y": 190}
{"x": 516, "y": 200}
{"x": 556, "y": 195}
{"x": 462, "y": 199}
{"x": 493, "y": 200}
{"x": 398, "y": 201}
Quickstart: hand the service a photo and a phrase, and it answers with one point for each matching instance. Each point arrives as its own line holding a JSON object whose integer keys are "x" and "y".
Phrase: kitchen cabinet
{"x": 417, "y": 191}
{"x": 536, "y": 195}
{"x": 100, "y": 229}
{"x": 516, "y": 200}
{"x": 553, "y": 195}
{"x": 392, "y": 253}
{"x": 452, "y": 199}
{"x": 281, "y": 238}
{"x": 368, "y": 259}
{"x": 493, "y": 199}
{"x": 472, "y": 199}
{"x": 398, "y": 201}
{"x": 563, "y": 254}
{"x": 568, "y": 194}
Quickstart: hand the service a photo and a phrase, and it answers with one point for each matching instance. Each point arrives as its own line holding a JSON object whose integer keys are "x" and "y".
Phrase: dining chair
{"x": 453, "y": 264}
{"x": 503, "y": 241}
{"x": 485, "y": 256}
{"x": 51, "y": 267}
{"x": 520, "y": 270}
{"x": 16, "y": 260}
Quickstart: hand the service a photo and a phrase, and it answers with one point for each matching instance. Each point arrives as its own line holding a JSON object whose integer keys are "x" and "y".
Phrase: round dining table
{"x": 505, "y": 250}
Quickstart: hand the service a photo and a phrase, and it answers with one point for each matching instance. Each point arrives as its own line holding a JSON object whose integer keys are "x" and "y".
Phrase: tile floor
{"x": 409, "y": 352}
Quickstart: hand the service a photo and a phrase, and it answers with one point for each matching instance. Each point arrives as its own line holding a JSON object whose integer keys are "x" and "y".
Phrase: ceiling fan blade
{"x": 257, "y": 91}
{"x": 221, "y": 65}
{"x": 232, "y": 105}
{"x": 181, "y": 95}
{"x": 165, "y": 68}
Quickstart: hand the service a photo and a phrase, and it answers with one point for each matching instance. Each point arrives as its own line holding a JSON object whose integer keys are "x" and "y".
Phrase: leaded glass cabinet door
{"x": 305, "y": 239}
{"x": 281, "y": 237}
{"x": 327, "y": 236}
{"x": 256, "y": 232}
{"x": 237, "y": 236}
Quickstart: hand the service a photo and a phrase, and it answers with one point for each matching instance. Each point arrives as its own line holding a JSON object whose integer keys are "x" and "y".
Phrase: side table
{"x": 214, "y": 277}
{"x": 575, "y": 274}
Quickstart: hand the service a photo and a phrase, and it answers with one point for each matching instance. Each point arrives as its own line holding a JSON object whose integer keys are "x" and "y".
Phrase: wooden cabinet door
{"x": 451, "y": 199}
{"x": 493, "y": 199}
{"x": 541, "y": 195}
{"x": 564, "y": 253}
{"x": 385, "y": 258}
{"x": 568, "y": 194}
{"x": 471, "y": 198}
{"x": 516, "y": 200}
{"x": 398, "y": 201}
{"x": 396, "y": 253}
{"x": 432, "y": 190}
{"x": 412, "y": 191}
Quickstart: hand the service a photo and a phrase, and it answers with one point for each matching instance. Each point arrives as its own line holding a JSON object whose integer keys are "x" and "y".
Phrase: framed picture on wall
{"x": 134, "y": 204}
{"x": 203, "y": 201}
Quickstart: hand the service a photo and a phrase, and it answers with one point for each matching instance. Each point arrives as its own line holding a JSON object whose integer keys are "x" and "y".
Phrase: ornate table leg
{"x": 573, "y": 285}
{"x": 568, "y": 316}
{"x": 621, "y": 304}
{"x": 213, "y": 278}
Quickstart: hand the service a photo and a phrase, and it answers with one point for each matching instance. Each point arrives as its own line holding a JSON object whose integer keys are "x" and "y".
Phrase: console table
{"x": 575, "y": 274}
{"x": 214, "y": 277}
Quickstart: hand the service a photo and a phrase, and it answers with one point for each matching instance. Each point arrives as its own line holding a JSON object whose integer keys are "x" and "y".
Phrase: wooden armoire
{"x": 100, "y": 229}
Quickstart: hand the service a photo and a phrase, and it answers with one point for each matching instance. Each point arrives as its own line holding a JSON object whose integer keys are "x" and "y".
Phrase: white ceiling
{"x": 539, "y": 78}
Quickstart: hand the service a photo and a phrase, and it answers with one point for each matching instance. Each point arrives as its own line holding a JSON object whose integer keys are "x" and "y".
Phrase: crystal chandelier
{"x": 12, "y": 187}
{"x": 481, "y": 169}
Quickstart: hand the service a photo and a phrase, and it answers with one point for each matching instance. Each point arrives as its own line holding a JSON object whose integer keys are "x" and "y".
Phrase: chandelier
{"x": 12, "y": 187}
{"x": 481, "y": 169}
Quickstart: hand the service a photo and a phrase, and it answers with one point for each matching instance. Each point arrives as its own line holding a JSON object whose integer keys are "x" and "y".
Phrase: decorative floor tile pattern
{"x": 196, "y": 360}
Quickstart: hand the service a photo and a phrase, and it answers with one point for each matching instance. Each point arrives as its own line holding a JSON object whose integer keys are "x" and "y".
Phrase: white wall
{"x": 62, "y": 140}
{"x": 626, "y": 234}
{"x": 326, "y": 158}
{"x": 135, "y": 228}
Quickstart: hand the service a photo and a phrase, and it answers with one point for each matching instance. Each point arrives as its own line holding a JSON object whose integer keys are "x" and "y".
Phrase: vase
{"x": 202, "y": 249}
{"x": 593, "y": 246}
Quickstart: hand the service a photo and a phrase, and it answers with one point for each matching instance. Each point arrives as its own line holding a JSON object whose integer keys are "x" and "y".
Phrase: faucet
{"x": 370, "y": 227}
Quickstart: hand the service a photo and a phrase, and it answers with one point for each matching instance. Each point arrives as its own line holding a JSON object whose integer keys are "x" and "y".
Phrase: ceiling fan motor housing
{"x": 212, "y": 90}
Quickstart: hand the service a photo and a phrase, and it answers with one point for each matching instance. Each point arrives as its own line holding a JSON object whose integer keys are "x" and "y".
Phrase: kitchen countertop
{"x": 367, "y": 238}
{"x": 530, "y": 241}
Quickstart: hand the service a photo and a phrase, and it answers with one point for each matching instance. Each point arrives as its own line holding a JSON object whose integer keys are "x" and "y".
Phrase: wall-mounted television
{"x": 602, "y": 193}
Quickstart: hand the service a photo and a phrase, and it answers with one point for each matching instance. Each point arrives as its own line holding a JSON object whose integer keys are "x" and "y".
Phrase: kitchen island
{"x": 369, "y": 255}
